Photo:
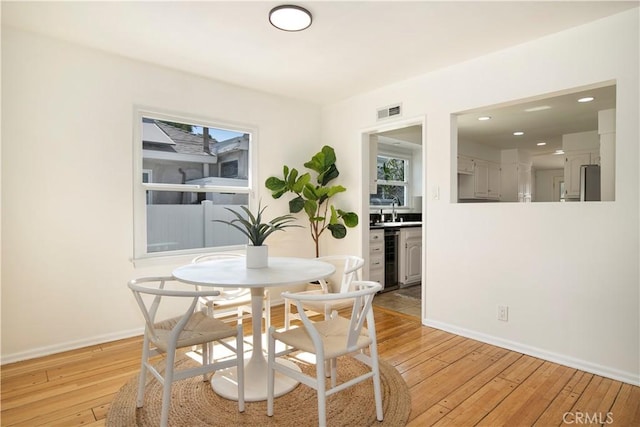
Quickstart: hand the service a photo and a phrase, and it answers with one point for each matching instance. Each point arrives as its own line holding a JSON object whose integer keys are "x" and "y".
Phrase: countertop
{"x": 404, "y": 224}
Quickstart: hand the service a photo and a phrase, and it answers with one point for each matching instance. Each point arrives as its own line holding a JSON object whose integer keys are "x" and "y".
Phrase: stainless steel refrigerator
{"x": 589, "y": 183}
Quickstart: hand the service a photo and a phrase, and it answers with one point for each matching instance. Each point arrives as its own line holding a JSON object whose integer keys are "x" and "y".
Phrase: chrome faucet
{"x": 394, "y": 201}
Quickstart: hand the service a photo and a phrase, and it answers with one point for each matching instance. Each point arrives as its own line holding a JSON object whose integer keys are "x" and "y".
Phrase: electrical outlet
{"x": 503, "y": 313}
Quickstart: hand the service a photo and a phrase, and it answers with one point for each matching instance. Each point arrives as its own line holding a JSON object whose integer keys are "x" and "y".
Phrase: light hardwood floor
{"x": 453, "y": 381}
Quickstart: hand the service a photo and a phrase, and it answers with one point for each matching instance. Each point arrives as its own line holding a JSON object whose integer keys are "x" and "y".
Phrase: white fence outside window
{"x": 176, "y": 227}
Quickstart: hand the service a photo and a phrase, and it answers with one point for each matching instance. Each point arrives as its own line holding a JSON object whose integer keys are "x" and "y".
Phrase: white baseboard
{"x": 583, "y": 365}
{"x": 71, "y": 345}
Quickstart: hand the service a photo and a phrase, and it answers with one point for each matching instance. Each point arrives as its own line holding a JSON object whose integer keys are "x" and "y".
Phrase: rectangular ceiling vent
{"x": 390, "y": 111}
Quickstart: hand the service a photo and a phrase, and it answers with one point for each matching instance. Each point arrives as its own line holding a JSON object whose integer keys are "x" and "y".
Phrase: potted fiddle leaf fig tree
{"x": 257, "y": 232}
{"x": 315, "y": 197}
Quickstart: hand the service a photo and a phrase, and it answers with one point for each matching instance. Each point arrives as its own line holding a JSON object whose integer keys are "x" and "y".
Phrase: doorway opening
{"x": 393, "y": 198}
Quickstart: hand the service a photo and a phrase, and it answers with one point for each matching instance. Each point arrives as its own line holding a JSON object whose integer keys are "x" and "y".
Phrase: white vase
{"x": 257, "y": 256}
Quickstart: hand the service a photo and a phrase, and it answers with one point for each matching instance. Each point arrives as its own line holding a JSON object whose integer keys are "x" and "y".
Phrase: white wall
{"x": 67, "y": 126}
{"x": 581, "y": 141}
{"x": 567, "y": 271}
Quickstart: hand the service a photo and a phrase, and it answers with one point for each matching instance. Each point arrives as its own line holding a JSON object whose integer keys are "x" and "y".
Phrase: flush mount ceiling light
{"x": 586, "y": 99}
{"x": 518, "y": 133}
{"x": 483, "y": 118}
{"x": 541, "y": 143}
{"x": 290, "y": 18}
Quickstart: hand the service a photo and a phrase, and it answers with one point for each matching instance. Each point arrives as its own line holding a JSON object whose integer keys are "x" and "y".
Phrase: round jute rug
{"x": 194, "y": 403}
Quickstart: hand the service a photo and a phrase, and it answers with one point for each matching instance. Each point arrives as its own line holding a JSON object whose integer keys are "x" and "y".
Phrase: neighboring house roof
{"x": 230, "y": 145}
{"x": 159, "y": 136}
{"x": 181, "y": 141}
{"x": 152, "y": 134}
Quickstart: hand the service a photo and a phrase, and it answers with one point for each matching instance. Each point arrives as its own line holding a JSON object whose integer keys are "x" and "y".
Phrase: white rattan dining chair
{"x": 232, "y": 303}
{"x": 328, "y": 340}
{"x": 347, "y": 270}
{"x": 189, "y": 329}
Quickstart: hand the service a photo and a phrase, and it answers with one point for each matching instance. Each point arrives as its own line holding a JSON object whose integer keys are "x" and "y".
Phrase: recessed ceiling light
{"x": 540, "y": 108}
{"x": 586, "y": 99}
{"x": 541, "y": 143}
{"x": 483, "y": 118}
{"x": 518, "y": 133}
{"x": 290, "y": 18}
{"x": 558, "y": 152}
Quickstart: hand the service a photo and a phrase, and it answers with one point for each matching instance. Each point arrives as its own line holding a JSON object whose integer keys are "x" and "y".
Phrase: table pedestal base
{"x": 225, "y": 382}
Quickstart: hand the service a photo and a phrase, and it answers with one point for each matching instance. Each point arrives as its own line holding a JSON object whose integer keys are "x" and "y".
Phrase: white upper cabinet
{"x": 478, "y": 179}
{"x": 465, "y": 165}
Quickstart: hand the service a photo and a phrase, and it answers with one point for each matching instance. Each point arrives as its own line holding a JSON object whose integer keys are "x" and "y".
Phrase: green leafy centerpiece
{"x": 315, "y": 199}
{"x": 257, "y": 232}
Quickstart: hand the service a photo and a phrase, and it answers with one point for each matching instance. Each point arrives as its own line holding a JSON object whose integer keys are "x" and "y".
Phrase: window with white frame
{"x": 393, "y": 181}
{"x": 188, "y": 173}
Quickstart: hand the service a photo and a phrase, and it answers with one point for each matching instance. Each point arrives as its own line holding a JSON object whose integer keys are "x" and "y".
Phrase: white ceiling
{"x": 562, "y": 115}
{"x": 352, "y": 47}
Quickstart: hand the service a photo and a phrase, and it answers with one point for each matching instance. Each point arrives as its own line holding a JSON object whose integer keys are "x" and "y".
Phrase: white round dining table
{"x": 233, "y": 273}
